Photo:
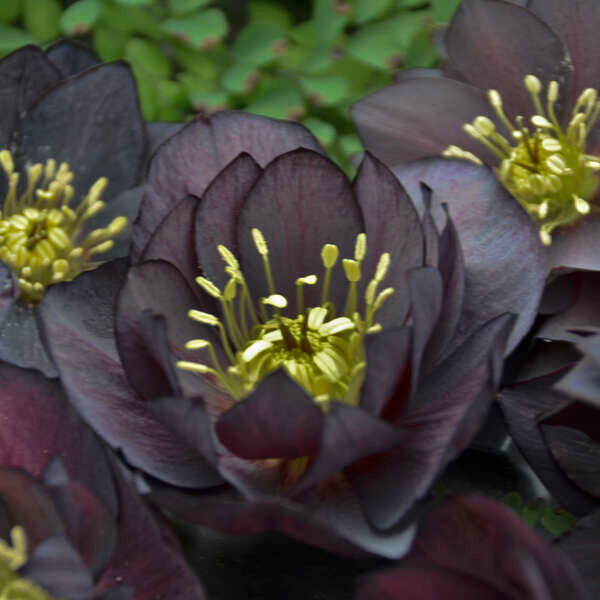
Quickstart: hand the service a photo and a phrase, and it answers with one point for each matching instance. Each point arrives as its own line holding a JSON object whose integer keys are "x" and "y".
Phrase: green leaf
{"x": 443, "y": 10}
{"x": 413, "y": 4}
{"x": 258, "y": 44}
{"x": 329, "y": 18}
{"x": 135, "y": 2}
{"x": 9, "y": 10}
{"x": 269, "y": 13}
{"x": 514, "y": 501}
{"x": 366, "y": 10}
{"x": 41, "y": 18}
{"x": 177, "y": 8}
{"x": 240, "y": 79}
{"x": 203, "y": 29}
{"x": 80, "y": 17}
{"x": 197, "y": 62}
{"x": 325, "y": 132}
{"x": 533, "y": 511}
{"x": 421, "y": 52}
{"x": 280, "y": 102}
{"x": 147, "y": 56}
{"x": 147, "y": 94}
{"x": 325, "y": 91}
{"x": 557, "y": 521}
{"x": 12, "y": 38}
{"x": 109, "y": 44}
{"x": 132, "y": 19}
{"x": 172, "y": 101}
{"x": 209, "y": 102}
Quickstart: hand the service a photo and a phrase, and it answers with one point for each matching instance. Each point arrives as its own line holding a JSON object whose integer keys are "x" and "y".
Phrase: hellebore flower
{"x": 72, "y": 525}
{"x": 538, "y": 126}
{"x": 332, "y": 357}
{"x": 474, "y": 548}
{"x": 72, "y": 140}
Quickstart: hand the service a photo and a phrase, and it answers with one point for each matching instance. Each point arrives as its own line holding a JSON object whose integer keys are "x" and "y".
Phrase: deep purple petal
{"x": 278, "y": 420}
{"x": 217, "y": 215}
{"x": 577, "y": 23}
{"x": 505, "y": 263}
{"x": 101, "y": 133}
{"x": 577, "y": 455}
{"x": 24, "y": 75}
{"x": 392, "y": 225}
{"x": 577, "y": 247}
{"x": 495, "y": 44}
{"x": 387, "y": 353}
{"x": 420, "y": 117}
{"x": 71, "y": 58}
{"x": 173, "y": 240}
{"x": 9, "y": 290}
{"x": 413, "y": 583}
{"x": 583, "y": 381}
{"x": 523, "y": 405}
{"x": 560, "y": 293}
{"x": 301, "y": 202}
{"x": 188, "y": 161}
{"x": 159, "y": 132}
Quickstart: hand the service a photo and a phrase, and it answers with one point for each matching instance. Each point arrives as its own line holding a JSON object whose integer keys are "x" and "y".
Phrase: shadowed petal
{"x": 189, "y": 161}
{"x": 278, "y": 420}
{"x": 392, "y": 225}
{"x": 159, "y": 132}
{"x": 577, "y": 247}
{"x": 505, "y": 263}
{"x": 24, "y": 75}
{"x": 71, "y": 58}
{"x": 301, "y": 202}
{"x": 583, "y": 381}
{"x": 482, "y": 28}
{"x": 420, "y": 117}
{"x": 218, "y": 212}
{"x": 102, "y": 105}
{"x": 523, "y": 405}
{"x": 9, "y": 290}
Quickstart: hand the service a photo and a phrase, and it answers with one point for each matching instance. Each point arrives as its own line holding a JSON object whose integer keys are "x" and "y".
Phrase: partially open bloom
{"x": 73, "y": 526}
{"x": 72, "y": 143}
{"x": 475, "y": 548}
{"x": 291, "y": 351}
{"x": 517, "y": 92}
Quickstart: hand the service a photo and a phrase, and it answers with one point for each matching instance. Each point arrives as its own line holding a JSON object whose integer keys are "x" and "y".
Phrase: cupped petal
{"x": 425, "y": 583}
{"x": 392, "y": 225}
{"x": 71, "y": 58}
{"x": 24, "y": 75}
{"x": 577, "y": 23}
{"x": 278, "y": 420}
{"x": 101, "y": 135}
{"x": 78, "y": 322}
{"x": 523, "y": 405}
{"x": 577, "y": 247}
{"x": 217, "y": 215}
{"x": 505, "y": 262}
{"x": 420, "y": 117}
{"x": 495, "y": 44}
{"x": 187, "y": 162}
{"x": 159, "y": 132}
{"x": 301, "y": 202}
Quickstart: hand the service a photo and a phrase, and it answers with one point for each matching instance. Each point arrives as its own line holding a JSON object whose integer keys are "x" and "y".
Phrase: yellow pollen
{"x": 547, "y": 169}
{"x": 42, "y": 238}
{"x": 321, "y": 350}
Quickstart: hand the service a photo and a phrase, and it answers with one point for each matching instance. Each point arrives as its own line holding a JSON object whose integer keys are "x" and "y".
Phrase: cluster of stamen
{"x": 42, "y": 237}
{"x": 546, "y": 169}
{"x": 321, "y": 350}
{"x": 12, "y": 558}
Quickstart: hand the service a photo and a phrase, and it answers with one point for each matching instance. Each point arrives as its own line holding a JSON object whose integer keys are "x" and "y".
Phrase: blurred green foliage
{"x": 303, "y": 61}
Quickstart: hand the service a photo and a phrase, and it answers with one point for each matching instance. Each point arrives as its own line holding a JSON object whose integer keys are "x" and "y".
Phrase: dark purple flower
{"x": 71, "y": 523}
{"x": 538, "y": 126}
{"x": 328, "y": 393}
{"x": 72, "y": 148}
{"x": 474, "y": 548}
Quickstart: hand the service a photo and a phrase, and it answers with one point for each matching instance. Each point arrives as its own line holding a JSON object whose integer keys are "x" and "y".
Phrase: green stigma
{"x": 321, "y": 349}
{"x": 546, "y": 169}
{"x": 41, "y": 237}
{"x": 12, "y": 558}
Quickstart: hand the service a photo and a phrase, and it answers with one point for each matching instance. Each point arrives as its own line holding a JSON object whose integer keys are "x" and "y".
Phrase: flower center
{"x": 321, "y": 351}
{"x": 546, "y": 169}
{"x": 12, "y": 558}
{"x": 41, "y": 237}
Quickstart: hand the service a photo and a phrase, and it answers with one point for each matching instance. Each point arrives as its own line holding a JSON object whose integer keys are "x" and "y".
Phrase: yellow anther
{"x": 382, "y": 266}
{"x": 556, "y": 164}
{"x": 552, "y": 92}
{"x": 352, "y": 269}
{"x": 6, "y": 160}
{"x": 541, "y": 122}
{"x": 336, "y": 326}
{"x": 382, "y": 297}
{"x": 96, "y": 190}
{"x": 230, "y": 290}
{"x": 543, "y": 209}
{"x": 59, "y": 239}
{"x": 94, "y": 209}
{"x": 197, "y": 344}
{"x": 208, "y": 286}
{"x": 307, "y": 280}
{"x": 49, "y": 168}
{"x": 469, "y": 129}
{"x": 228, "y": 257}
{"x": 495, "y": 98}
{"x": 203, "y": 317}
{"x": 60, "y": 268}
{"x": 316, "y": 317}
{"x": 193, "y": 367}
{"x": 276, "y": 300}
{"x": 484, "y": 126}
{"x": 256, "y": 348}
{"x": 551, "y": 145}
{"x": 581, "y": 205}
{"x": 533, "y": 84}
{"x": 545, "y": 237}
{"x": 15, "y": 556}
{"x": 103, "y": 247}
{"x": 360, "y": 248}
{"x": 117, "y": 225}
{"x": 259, "y": 242}
{"x": 329, "y": 255}
{"x": 370, "y": 291}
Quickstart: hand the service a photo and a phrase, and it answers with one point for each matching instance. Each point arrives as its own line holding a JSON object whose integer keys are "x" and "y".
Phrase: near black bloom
{"x": 72, "y": 145}
{"x": 341, "y": 350}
